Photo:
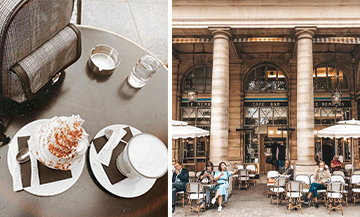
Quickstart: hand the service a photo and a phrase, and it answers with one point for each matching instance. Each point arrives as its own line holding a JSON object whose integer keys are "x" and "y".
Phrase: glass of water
{"x": 146, "y": 66}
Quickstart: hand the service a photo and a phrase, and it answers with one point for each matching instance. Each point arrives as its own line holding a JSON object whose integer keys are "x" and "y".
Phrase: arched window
{"x": 326, "y": 77}
{"x": 201, "y": 81}
{"x": 266, "y": 77}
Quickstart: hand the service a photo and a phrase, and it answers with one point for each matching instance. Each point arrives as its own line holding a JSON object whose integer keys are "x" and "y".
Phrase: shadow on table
{"x": 126, "y": 91}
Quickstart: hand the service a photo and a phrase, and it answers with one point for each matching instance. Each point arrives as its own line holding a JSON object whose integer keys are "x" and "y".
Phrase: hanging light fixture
{"x": 336, "y": 94}
{"x": 192, "y": 94}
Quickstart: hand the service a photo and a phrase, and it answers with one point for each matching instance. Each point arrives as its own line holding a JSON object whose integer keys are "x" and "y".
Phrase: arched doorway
{"x": 265, "y": 110}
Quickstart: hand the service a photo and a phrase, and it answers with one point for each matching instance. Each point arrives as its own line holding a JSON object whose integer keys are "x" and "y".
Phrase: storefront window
{"x": 331, "y": 115}
{"x": 326, "y": 77}
{"x": 265, "y": 116}
{"x": 202, "y": 79}
{"x": 266, "y": 77}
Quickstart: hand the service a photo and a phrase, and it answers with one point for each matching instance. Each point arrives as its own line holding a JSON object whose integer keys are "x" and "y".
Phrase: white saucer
{"x": 127, "y": 188}
{"x": 48, "y": 189}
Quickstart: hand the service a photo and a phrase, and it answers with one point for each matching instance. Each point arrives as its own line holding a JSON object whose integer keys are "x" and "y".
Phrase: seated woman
{"x": 207, "y": 176}
{"x": 321, "y": 175}
{"x": 222, "y": 178}
{"x": 336, "y": 164}
{"x": 286, "y": 170}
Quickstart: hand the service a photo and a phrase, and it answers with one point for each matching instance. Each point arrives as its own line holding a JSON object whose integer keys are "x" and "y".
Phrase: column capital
{"x": 305, "y": 32}
{"x": 220, "y": 32}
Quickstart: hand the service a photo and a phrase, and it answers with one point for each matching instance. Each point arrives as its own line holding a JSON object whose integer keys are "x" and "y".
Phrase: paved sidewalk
{"x": 144, "y": 22}
{"x": 253, "y": 202}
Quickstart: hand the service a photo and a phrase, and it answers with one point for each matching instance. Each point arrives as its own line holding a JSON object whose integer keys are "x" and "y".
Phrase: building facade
{"x": 265, "y": 72}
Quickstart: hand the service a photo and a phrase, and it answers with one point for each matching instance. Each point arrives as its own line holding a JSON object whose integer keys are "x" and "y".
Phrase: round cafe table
{"x": 100, "y": 101}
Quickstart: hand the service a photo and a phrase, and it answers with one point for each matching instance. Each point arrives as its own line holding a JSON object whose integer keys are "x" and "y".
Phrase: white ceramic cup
{"x": 145, "y": 156}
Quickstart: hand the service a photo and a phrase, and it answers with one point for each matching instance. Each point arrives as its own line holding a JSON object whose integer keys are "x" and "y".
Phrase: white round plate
{"x": 127, "y": 188}
{"x": 48, "y": 189}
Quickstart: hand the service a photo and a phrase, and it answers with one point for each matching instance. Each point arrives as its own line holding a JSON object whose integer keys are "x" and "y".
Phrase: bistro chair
{"x": 341, "y": 173}
{"x": 192, "y": 176}
{"x": 334, "y": 195}
{"x": 294, "y": 191}
{"x": 236, "y": 176}
{"x": 357, "y": 172}
{"x": 339, "y": 178}
{"x": 278, "y": 190}
{"x": 252, "y": 170}
{"x": 271, "y": 180}
{"x": 180, "y": 195}
{"x": 355, "y": 181}
{"x": 243, "y": 179}
{"x": 305, "y": 179}
{"x": 348, "y": 168}
{"x": 195, "y": 193}
{"x": 240, "y": 167}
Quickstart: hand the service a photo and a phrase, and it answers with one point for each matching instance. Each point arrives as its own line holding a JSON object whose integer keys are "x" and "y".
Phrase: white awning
{"x": 183, "y": 132}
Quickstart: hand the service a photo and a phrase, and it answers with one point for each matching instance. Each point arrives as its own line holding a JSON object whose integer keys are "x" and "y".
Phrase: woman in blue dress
{"x": 222, "y": 178}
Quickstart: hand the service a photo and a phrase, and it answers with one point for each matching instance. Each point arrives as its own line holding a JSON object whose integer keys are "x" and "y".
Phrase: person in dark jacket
{"x": 281, "y": 154}
{"x": 180, "y": 178}
{"x": 286, "y": 170}
{"x": 274, "y": 146}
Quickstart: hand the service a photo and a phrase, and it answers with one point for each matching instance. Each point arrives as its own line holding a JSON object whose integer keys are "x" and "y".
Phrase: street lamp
{"x": 192, "y": 94}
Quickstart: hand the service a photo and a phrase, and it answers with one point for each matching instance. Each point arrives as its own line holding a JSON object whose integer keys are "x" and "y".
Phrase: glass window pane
{"x": 281, "y": 81}
{"x": 317, "y": 116}
{"x": 251, "y": 147}
{"x": 321, "y": 78}
{"x": 208, "y": 72}
{"x": 188, "y": 114}
{"x": 203, "y": 116}
{"x": 266, "y": 116}
{"x": 328, "y": 116}
{"x": 199, "y": 72}
{"x": 251, "y": 116}
{"x": 280, "y": 115}
{"x": 250, "y": 82}
{"x": 271, "y": 78}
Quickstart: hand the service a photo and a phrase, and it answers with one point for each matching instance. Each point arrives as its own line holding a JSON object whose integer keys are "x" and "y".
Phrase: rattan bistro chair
{"x": 339, "y": 178}
{"x": 192, "y": 176}
{"x": 252, "y": 171}
{"x": 305, "y": 179}
{"x": 293, "y": 194}
{"x": 278, "y": 190}
{"x": 180, "y": 197}
{"x": 334, "y": 195}
{"x": 243, "y": 179}
{"x": 270, "y": 174}
{"x": 355, "y": 181}
{"x": 341, "y": 173}
{"x": 195, "y": 193}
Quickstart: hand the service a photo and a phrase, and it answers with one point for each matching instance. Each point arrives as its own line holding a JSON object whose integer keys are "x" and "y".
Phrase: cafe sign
{"x": 330, "y": 104}
{"x": 196, "y": 104}
{"x": 265, "y": 104}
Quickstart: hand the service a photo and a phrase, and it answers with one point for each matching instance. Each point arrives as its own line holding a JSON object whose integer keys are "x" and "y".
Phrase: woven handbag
{"x": 37, "y": 42}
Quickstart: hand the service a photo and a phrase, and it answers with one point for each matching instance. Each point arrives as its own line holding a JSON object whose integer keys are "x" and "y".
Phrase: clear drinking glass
{"x": 144, "y": 69}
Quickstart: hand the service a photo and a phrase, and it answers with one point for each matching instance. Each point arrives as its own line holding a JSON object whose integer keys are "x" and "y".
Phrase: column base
{"x": 307, "y": 169}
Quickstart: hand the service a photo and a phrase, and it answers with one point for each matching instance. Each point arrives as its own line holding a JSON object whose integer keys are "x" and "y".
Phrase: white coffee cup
{"x": 145, "y": 156}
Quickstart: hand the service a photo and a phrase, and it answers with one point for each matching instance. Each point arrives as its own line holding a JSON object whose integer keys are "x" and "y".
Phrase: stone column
{"x": 220, "y": 96}
{"x": 305, "y": 102}
{"x": 175, "y": 105}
